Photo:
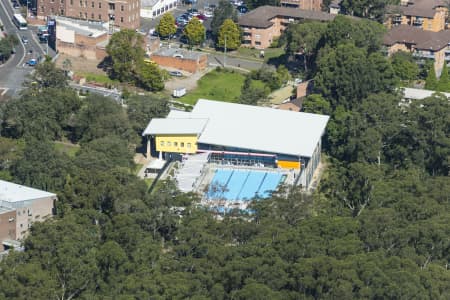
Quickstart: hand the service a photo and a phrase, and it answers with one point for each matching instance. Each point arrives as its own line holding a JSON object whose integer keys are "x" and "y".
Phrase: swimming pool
{"x": 243, "y": 185}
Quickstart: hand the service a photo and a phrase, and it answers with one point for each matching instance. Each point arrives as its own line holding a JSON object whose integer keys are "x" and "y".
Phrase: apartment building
{"x": 423, "y": 44}
{"x": 265, "y": 23}
{"x": 118, "y": 13}
{"x": 303, "y": 4}
{"x": 424, "y": 14}
{"x": 20, "y": 207}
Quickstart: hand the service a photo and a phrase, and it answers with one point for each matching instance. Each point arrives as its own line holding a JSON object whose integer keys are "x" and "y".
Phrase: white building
{"x": 154, "y": 8}
{"x": 20, "y": 207}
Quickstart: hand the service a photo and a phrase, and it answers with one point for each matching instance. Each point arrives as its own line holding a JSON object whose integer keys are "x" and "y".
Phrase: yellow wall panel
{"x": 176, "y": 143}
{"x": 286, "y": 164}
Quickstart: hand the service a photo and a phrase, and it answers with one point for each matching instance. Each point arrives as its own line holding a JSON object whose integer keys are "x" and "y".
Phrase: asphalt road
{"x": 14, "y": 71}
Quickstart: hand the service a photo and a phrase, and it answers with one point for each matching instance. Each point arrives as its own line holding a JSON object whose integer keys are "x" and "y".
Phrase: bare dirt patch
{"x": 80, "y": 64}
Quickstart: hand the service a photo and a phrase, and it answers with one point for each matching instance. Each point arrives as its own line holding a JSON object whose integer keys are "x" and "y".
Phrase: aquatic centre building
{"x": 241, "y": 135}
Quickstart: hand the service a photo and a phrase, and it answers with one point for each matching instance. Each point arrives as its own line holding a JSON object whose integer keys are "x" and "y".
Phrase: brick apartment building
{"x": 20, "y": 207}
{"x": 303, "y": 4}
{"x": 423, "y": 44}
{"x": 424, "y": 14}
{"x": 265, "y": 23}
{"x": 119, "y": 13}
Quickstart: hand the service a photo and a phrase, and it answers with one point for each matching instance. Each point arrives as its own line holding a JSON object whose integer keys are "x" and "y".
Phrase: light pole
{"x": 225, "y": 53}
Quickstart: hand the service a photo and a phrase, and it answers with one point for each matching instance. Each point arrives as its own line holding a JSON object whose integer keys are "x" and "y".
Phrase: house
{"x": 303, "y": 4}
{"x": 20, "y": 207}
{"x": 425, "y": 14}
{"x": 181, "y": 59}
{"x": 79, "y": 38}
{"x": 263, "y": 25}
{"x": 120, "y": 13}
{"x": 292, "y": 105}
{"x": 154, "y": 8}
{"x": 423, "y": 44}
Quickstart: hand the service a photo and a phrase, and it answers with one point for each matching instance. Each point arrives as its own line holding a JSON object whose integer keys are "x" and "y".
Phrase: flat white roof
{"x": 156, "y": 164}
{"x": 417, "y": 94}
{"x": 247, "y": 127}
{"x": 11, "y": 192}
{"x": 260, "y": 128}
{"x": 175, "y": 126}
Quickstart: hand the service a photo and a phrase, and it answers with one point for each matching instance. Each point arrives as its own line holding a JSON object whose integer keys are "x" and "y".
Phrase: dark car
{"x": 242, "y": 9}
{"x": 16, "y": 5}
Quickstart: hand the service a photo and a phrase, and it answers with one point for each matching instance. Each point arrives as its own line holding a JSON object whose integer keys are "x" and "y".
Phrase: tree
{"x": 229, "y": 32}
{"x": 316, "y": 104}
{"x": 303, "y": 39}
{"x": 346, "y": 74}
{"x": 362, "y": 33}
{"x": 444, "y": 80}
{"x": 150, "y": 77}
{"x": 373, "y": 9}
{"x": 126, "y": 51}
{"x": 100, "y": 117}
{"x": 252, "y": 92}
{"x": 431, "y": 82}
{"x": 224, "y": 10}
{"x": 404, "y": 66}
{"x": 47, "y": 75}
{"x": 166, "y": 26}
{"x": 141, "y": 109}
{"x": 66, "y": 65}
{"x": 195, "y": 31}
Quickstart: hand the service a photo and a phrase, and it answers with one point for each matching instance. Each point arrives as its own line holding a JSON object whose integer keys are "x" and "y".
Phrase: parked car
{"x": 16, "y": 5}
{"x": 176, "y": 73}
{"x": 202, "y": 17}
{"x": 24, "y": 40}
{"x": 208, "y": 13}
{"x": 32, "y": 62}
{"x": 242, "y": 9}
{"x": 193, "y": 11}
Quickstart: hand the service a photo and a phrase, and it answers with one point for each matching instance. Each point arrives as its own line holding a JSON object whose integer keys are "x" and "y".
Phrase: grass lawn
{"x": 217, "y": 85}
{"x": 254, "y": 53}
{"x": 98, "y": 78}
{"x": 67, "y": 148}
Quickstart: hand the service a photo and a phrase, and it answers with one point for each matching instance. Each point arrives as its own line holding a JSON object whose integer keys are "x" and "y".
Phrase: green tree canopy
{"x": 223, "y": 11}
{"x": 444, "y": 80}
{"x": 150, "y": 77}
{"x": 431, "y": 82}
{"x": 141, "y": 109}
{"x": 195, "y": 31}
{"x": 404, "y": 65}
{"x": 47, "y": 75}
{"x": 166, "y": 26}
{"x": 346, "y": 74}
{"x": 231, "y": 32}
{"x": 126, "y": 51}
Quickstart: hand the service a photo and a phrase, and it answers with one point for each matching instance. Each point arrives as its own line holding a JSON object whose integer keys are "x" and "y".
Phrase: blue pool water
{"x": 243, "y": 184}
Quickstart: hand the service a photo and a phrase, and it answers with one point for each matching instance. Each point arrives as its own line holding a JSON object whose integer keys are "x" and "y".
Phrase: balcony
{"x": 397, "y": 20}
{"x": 418, "y": 22}
{"x": 423, "y": 54}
